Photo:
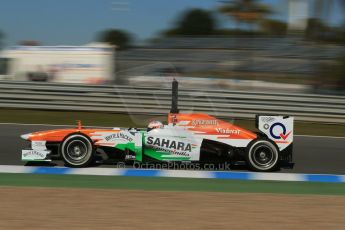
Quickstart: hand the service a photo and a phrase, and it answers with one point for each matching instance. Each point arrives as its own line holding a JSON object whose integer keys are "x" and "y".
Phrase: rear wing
{"x": 277, "y": 128}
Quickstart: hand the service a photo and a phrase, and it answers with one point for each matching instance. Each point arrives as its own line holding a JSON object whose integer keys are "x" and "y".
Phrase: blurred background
{"x": 289, "y": 45}
{"x": 233, "y": 59}
{"x": 111, "y": 62}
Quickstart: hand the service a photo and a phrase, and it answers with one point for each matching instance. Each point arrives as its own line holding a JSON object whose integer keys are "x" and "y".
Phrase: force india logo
{"x": 117, "y": 136}
{"x": 175, "y": 147}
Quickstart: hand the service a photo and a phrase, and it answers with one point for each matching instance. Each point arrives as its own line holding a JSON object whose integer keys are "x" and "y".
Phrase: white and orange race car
{"x": 186, "y": 138}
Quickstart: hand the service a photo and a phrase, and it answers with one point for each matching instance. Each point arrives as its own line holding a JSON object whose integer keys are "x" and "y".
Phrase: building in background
{"x": 298, "y": 14}
{"x": 89, "y": 64}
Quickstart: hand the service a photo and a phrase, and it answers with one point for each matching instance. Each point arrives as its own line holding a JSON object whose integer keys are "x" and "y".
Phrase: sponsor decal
{"x": 171, "y": 144}
{"x": 166, "y": 145}
{"x": 267, "y": 119}
{"x": 33, "y": 154}
{"x": 283, "y": 135}
{"x": 228, "y": 131}
{"x": 38, "y": 145}
{"x": 119, "y": 135}
{"x": 204, "y": 122}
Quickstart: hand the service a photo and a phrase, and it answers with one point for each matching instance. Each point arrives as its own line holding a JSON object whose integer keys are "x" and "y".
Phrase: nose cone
{"x": 25, "y": 136}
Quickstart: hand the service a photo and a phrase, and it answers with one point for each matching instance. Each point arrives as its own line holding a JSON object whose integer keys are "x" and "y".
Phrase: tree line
{"x": 251, "y": 17}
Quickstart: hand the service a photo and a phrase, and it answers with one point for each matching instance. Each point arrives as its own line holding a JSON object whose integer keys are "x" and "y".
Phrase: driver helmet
{"x": 155, "y": 125}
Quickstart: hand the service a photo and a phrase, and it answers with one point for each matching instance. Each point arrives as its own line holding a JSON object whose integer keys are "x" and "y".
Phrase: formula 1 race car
{"x": 186, "y": 138}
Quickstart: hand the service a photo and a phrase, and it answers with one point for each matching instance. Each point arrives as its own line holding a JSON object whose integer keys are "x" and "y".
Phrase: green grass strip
{"x": 170, "y": 184}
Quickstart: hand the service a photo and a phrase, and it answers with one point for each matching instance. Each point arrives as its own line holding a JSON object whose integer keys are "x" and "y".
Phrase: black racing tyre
{"x": 262, "y": 155}
{"x": 77, "y": 151}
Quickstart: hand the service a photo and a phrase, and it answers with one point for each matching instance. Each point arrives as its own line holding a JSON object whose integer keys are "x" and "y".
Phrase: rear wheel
{"x": 262, "y": 155}
{"x": 77, "y": 151}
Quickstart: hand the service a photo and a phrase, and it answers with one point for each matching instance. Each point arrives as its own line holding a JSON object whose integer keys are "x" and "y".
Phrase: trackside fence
{"x": 156, "y": 101}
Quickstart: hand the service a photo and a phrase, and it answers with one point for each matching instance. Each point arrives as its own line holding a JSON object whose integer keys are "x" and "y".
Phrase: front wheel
{"x": 77, "y": 151}
{"x": 262, "y": 155}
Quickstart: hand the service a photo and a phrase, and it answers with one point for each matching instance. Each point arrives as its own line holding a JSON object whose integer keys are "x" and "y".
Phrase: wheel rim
{"x": 76, "y": 150}
{"x": 263, "y": 156}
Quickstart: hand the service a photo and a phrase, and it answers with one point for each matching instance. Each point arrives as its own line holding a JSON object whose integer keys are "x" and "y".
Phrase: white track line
{"x": 33, "y": 124}
{"x": 318, "y": 136}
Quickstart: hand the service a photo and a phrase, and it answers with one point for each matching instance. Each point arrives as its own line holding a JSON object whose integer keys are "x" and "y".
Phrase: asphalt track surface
{"x": 321, "y": 155}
